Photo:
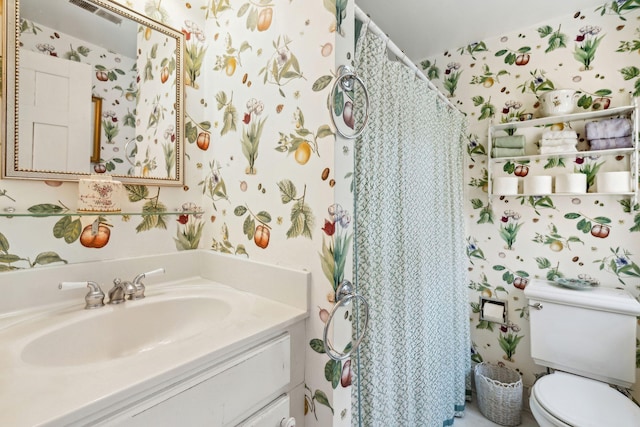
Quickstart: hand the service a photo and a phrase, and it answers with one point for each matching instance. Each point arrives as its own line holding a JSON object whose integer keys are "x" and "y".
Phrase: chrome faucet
{"x": 120, "y": 290}
{"x": 137, "y": 282}
{"x": 93, "y": 299}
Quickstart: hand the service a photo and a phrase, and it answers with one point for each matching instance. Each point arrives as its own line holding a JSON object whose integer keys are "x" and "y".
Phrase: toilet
{"x": 589, "y": 338}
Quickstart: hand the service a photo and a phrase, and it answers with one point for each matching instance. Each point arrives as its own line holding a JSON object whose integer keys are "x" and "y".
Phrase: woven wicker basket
{"x": 499, "y": 392}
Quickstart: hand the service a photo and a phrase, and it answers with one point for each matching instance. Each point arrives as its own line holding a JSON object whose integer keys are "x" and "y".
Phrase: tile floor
{"x": 473, "y": 418}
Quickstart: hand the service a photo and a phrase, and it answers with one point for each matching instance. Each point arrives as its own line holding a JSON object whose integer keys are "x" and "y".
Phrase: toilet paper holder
{"x": 493, "y": 310}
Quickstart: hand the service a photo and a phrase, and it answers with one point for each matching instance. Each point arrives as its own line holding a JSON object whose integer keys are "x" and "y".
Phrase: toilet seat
{"x": 579, "y": 401}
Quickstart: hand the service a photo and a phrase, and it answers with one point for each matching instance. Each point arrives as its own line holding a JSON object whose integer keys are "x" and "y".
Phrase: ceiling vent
{"x": 109, "y": 17}
{"x": 96, "y": 11}
{"x": 84, "y": 5}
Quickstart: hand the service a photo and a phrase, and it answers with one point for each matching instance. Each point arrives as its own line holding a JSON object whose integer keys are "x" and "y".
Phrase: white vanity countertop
{"x": 33, "y": 394}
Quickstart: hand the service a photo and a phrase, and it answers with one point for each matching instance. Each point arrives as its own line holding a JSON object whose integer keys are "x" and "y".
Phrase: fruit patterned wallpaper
{"x": 260, "y": 163}
{"x": 515, "y": 239}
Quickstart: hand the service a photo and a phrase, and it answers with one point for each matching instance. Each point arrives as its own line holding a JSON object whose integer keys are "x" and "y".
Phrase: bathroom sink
{"x": 134, "y": 327}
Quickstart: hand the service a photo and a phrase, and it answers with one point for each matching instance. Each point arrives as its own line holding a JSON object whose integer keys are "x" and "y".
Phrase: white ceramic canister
{"x": 505, "y": 185}
{"x": 558, "y": 102}
{"x": 537, "y": 185}
{"x": 614, "y": 182}
{"x": 571, "y": 183}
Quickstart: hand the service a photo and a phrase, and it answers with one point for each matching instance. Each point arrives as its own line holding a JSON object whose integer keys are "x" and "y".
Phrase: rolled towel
{"x": 559, "y": 134}
{"x": 567, "y": 148}
{"x": 506, "y": 152}
{"x": 610, "y": 128}
{"x": 511, "y": 141}
{"x": 556, "y": 142}
{"x": 610, "y": 143}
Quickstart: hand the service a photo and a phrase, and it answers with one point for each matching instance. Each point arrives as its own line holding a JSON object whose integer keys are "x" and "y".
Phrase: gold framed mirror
{"x": 90, "y": 86}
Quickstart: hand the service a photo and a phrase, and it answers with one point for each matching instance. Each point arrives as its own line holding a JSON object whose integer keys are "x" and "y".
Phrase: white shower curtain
{"x": 410, "y": 261}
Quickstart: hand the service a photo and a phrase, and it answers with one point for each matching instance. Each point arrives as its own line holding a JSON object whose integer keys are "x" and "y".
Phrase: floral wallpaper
{"x": 114, "y": 81}
{"x": 516, "y": 238}
{"x": 260, "y": 161}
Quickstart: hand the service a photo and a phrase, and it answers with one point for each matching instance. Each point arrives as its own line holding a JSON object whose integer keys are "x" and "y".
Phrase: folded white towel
{"x": 567, "y": 148}
{"x": 559, "y": 134}
{"x": 556, "y": 142}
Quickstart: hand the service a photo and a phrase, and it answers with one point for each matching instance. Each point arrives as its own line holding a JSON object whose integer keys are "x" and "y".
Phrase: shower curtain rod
{"x": 393, "y": 48}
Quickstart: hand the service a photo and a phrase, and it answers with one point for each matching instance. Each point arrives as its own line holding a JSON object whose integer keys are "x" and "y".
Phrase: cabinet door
{"x": 225, "y": 393}
{"x": 271, "y": 415}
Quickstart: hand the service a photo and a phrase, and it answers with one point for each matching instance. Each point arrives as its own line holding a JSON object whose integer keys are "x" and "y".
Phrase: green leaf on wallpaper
{"x": 252, "y": 19}
{"x": 324, "y": 131}
{"x": 338, "y": 103}
{"x": 302, "y": 220}
{"x": 243, "y": 9}
{"x": 584, "y": 225}
{"x": 9, "y": 258}
{"x": 543, "y": 263}
{"x": 191, "y": 132}
{"x": 249, "y": 227}
{"x": 72, "y": 231}
{"x": 545, "y": 31}
{"x": 136, "y": 192}
{"x": 317, "y": 345}
{"x": 264, "y": 217}
{"x": 477, "y": 101}
{"x": 501, "y": 52}
{"x": 4, "y": 243}
{"x": 288, "y": 191}
{"x": 509, "y": 167}
{"x": 45, "y": 258}
{"x": 499, "y": 267}
{"x": 240, "y": 210}
{"x": 327, "y": 262}
{"x": 477, "y": 203}
{"x": 629, "y": 73}
{"x": 602, "y": 220}
{"x": 148, "y": 222}
{"x": 332, "y": 372}
{"x": 508, "y": 277}
{"x": 45, "y": 208}
{"x": 572, "y": 215}
{"x": 522, "y": 273}
{"x": 303, "y": 132}
{"x": 321, "y": 83}
{"x": 322, "y": 399}
{"x": 603, "y": 92}
{"x": 60, "y": 226}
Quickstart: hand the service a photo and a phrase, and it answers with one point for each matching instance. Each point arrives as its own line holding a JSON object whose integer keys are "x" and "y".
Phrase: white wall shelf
{"x": 631, "y": 111}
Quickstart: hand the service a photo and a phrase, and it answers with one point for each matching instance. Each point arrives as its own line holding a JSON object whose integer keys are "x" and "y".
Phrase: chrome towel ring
{"x": 344, "y": 296}
{"x": 346, "y": 79}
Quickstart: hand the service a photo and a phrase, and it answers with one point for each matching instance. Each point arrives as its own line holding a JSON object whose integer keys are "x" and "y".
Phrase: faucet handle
{"x": 93, "y": 299}
{"x": 120, "y": 290}
{"x": 137, "y": 282}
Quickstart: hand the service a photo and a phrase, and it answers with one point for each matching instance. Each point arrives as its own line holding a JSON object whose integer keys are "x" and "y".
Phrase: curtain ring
{"x": 346, "y": 79}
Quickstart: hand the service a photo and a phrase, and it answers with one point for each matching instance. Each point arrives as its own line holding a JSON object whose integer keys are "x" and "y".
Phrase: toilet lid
{"x": 580, "y": 401}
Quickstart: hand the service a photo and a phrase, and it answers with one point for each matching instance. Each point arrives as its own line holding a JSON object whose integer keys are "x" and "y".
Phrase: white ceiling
{"x": 67, "y": 18}
{"x": 425, "y": 28}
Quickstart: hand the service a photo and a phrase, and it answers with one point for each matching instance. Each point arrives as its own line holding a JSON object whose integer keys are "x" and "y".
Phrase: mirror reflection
{"x": 92, "y": 87}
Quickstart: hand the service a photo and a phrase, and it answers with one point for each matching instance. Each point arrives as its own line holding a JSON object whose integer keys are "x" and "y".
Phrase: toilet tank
{"x": 586, "y": 332}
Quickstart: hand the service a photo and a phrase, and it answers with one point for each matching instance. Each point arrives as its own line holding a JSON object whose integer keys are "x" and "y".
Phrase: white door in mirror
{"x": 55, "y": 113}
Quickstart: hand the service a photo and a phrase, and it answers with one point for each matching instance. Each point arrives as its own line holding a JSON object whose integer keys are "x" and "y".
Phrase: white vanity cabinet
{"x": 543, "y": 164}
{"x": 247, "y": 385}
{"x": 221, "y": 342}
